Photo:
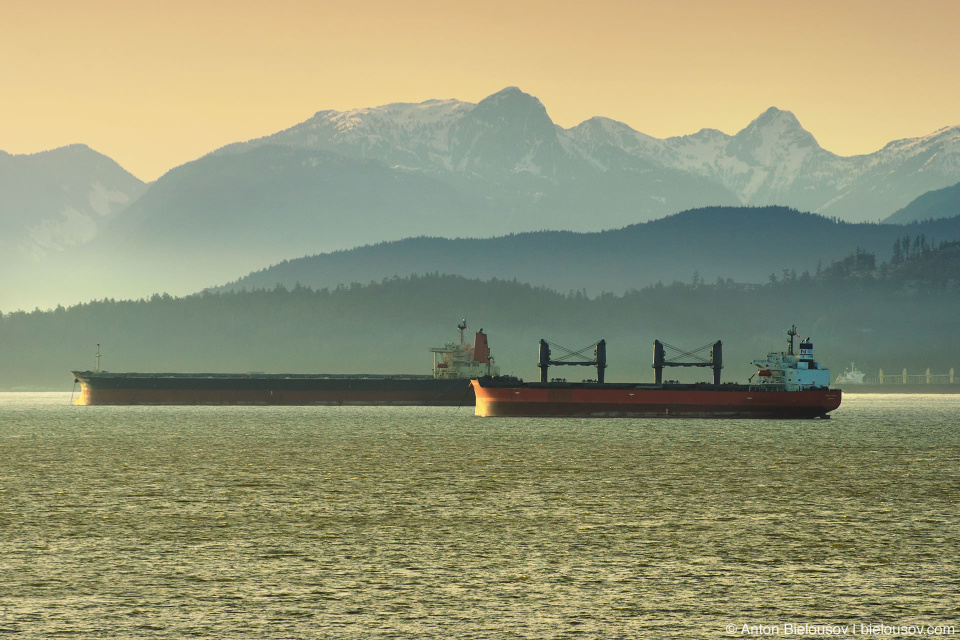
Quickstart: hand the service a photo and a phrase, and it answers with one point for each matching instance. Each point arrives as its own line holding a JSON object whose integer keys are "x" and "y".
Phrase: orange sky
{"x": 156, "y": 84}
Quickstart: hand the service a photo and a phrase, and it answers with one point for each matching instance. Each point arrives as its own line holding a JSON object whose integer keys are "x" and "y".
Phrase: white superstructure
{"x": 851, "y": 376}
{"x": 794, "y": 372}
{"x": 456, "y": 360}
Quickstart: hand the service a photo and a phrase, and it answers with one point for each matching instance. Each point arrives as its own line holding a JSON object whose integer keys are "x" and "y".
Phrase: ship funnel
{"x": 481, "y": 350}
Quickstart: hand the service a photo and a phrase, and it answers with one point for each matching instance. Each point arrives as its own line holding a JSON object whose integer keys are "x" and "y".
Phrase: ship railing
{"x": 767, "y": 386}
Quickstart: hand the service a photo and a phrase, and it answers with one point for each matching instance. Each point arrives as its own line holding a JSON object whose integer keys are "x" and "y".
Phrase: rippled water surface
{"x": 362, "y": 522}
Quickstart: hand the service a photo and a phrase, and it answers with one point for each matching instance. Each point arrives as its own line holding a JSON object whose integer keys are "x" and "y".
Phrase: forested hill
{"x": 915, "y": 265}
{"x": 857, "y": 309}
{"x": 940, "y": 203}
{"x": 745, "y": 244}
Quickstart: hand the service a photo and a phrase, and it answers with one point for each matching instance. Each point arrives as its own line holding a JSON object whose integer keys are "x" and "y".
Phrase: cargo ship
{"x": 855, "y": 381}
{"x": 454, "y": 364}
{"x": 788, "y": 385}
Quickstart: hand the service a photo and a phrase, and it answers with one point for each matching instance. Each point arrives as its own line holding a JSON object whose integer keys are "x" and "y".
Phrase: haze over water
{"x": 321, "y": 522}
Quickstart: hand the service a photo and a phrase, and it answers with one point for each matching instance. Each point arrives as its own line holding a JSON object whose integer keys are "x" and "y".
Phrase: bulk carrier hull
{"x": 454, "y": 365}
{"x": 98, "y": 388}
{"x": 592, "y": 400}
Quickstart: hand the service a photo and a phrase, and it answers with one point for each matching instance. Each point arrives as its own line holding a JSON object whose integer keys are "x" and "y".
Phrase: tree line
{"x": 851, "y": 308}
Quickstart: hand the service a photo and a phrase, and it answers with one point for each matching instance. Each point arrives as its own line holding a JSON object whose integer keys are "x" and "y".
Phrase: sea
{"x": 429, "y": 522}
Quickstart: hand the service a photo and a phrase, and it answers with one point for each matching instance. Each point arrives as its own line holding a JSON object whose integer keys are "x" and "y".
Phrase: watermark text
{"x": 852, "y": 629}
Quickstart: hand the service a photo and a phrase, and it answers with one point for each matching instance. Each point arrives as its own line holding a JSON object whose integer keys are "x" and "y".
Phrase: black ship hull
{"x": 99, "y": 388}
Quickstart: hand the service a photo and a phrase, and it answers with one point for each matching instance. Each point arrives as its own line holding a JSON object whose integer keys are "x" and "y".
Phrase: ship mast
{"x": 98, "y": 356}
{"x": 792, "y": 333}
{"x": 462, "y": 327}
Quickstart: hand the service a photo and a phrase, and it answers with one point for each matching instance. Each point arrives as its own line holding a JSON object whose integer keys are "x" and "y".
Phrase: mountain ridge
{"x": 773, "y": 160}
{"x": 454, "y": 169}
{"x": 932, "y": 205}
{"x": 59, "y": 197}
{"x": 743, "y": 243}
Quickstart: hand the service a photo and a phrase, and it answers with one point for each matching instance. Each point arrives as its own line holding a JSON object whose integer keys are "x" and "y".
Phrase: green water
{"x": 365, "y": 522}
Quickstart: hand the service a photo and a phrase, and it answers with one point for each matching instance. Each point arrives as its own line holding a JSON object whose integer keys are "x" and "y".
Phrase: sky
{"x": 156, "y": 84}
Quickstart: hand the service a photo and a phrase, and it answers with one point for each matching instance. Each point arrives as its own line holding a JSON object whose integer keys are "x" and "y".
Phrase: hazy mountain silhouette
{"x": 941, "y": 203}
{"x": 59, "y": 198}
{"x": 51, "y": 204}
{"x": 745, "y": 244}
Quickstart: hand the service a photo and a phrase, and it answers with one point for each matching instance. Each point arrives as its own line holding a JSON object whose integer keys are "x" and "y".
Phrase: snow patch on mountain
{"x": 528, "y": 163}
{"x": 101, "y": 199}
{"x": 71, "y": 228}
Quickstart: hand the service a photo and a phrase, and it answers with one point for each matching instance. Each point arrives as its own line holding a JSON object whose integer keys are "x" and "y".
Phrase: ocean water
{"x": 363, "y": 522}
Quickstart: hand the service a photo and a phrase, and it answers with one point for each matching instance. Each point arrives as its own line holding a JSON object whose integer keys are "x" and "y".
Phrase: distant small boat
{"x": 850, "y": 376}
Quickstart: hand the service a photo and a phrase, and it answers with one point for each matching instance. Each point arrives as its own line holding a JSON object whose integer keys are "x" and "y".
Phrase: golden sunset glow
{"x": 154, "y": 85}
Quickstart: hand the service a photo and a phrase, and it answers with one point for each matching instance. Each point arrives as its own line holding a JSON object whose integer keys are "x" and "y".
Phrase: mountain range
{"x": 76, "y": 226}
{"x": 509, "y": 140}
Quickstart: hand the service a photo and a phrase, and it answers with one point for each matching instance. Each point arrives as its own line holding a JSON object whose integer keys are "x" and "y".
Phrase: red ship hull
{"x": 637, "y": 401}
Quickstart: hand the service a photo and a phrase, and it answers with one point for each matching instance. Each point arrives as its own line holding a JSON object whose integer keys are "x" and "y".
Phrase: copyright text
{"x": 851, "y": 629}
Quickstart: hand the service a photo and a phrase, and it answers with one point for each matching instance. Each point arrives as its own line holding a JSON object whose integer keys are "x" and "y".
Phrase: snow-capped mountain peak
{"x": 774, "y": 132}
{"x": 509, "y": 134}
